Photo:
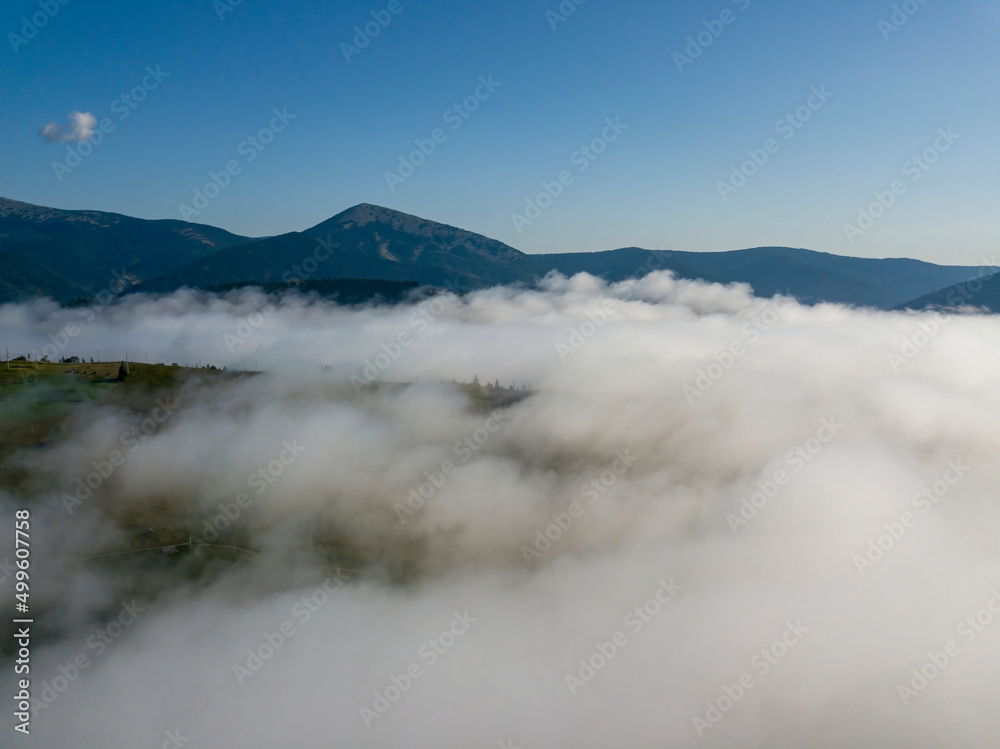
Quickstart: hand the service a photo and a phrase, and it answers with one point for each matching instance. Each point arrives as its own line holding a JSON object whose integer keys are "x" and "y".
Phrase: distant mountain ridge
{"x": 74, "y": 252}
{"x": 65, "y": 254}
{"x": 812, "y": 277}
{"x": 981, "y": 293}
{"x": 365, "y": 241}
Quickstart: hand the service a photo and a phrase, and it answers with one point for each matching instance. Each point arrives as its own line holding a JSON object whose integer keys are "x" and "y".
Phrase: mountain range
{"x": 70, "y": 255}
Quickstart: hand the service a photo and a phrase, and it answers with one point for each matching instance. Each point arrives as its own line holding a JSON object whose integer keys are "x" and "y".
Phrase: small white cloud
{"x": 79, "y": 128}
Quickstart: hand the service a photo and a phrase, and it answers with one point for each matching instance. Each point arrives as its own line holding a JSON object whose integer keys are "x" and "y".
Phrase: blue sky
{"x": 656, "y": 185}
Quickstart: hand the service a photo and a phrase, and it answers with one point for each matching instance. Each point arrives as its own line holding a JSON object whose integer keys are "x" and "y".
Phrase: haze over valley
{"x": 529, "y": 375}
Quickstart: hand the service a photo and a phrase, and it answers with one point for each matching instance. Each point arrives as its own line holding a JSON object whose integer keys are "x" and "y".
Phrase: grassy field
{"x": 165, "y": 537}
{"x": 41, "y": 404}
{"x": 37, "y": 398}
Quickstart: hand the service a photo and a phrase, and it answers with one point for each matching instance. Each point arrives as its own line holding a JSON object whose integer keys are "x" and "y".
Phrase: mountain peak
{"x": 371, "y": 211}
{"x": 368, "y": 213}
{"x": 407, "y": 240}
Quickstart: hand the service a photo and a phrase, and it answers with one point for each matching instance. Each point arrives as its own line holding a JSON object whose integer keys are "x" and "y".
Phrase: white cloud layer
{"x": 729, "y": 465}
